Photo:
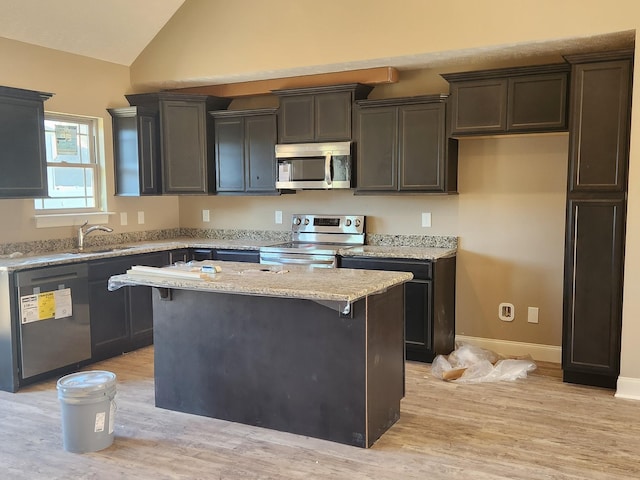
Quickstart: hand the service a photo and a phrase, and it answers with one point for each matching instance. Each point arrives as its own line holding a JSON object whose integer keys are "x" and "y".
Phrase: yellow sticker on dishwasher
{"x": 42, "y": 306}
{"x": 46, "y": 305}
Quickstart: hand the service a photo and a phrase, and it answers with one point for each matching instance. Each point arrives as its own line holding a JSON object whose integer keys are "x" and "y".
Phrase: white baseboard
{"x": 628, "y": 387}
{"x": 543, "y": 353}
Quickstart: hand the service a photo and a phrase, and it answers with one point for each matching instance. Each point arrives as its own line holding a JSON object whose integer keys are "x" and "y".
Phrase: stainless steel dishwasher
{"x": 53, "y": 308}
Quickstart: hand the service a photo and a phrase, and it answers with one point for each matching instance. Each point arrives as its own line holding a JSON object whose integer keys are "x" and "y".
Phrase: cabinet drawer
{"x": 105, "y": 268}
{"x": 421, "y": 269}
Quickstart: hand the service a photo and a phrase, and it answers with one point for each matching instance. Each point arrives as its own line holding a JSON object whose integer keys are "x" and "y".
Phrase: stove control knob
{"x": 358, "y": 222}
{"x": 348, "y": 222}
{"x": 306, "y": 221}
{"x": 296, "y": 220}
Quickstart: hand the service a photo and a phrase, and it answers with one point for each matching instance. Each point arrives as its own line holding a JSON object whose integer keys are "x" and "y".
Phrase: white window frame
{"x": 57, "y": 217}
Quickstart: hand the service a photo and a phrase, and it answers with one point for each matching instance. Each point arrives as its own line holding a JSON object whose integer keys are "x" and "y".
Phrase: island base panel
{"x": 287, "y": 364}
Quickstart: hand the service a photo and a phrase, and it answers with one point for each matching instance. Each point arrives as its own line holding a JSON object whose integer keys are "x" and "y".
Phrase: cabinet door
{"x": 107, "y": 310}
{"x": 136, "y": 151}
{"x": 600, "y": 119}
{"x": 184, "y": 147}
{"x": 260, "y": 158}
{"x": 230, "y": 153}
{"x": 593, "y": 297}
{"x": 332, "y": 117}
{"x": 179, "y": 255}
{"x": 24, "y": 168}
{"x": 479, "y": 106}
{"x": 419, "y": 304}
{"x": 418, "y": 320}
{"x": 537, "y": 103}
{"x": 296, "y": 119}
{"x": 377, "y": 149}
{"x": 149, "y": 154}
{"x": 422, "y": 147}
{"x": 140, "y": 304}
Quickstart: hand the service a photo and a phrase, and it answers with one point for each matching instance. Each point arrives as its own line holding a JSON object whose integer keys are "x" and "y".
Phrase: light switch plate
{"x": 278, "y": 216}
{"x": 426, "y": 219}
{"x": 140, "y": 218}
{"x": 123, "y": 218}
{"x": 205, "y": 216}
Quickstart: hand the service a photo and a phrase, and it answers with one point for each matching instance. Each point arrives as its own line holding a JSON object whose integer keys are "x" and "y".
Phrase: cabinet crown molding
{"x": 506, "y": 72}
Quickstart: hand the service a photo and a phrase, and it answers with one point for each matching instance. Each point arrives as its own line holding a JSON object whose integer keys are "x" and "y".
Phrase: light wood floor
{"x": 537, "y": 428}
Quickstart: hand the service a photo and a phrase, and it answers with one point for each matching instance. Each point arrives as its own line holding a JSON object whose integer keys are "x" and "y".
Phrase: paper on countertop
{"x": 170, "y": 272}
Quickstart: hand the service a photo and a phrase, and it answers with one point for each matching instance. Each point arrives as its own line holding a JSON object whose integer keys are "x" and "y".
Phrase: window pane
{"x": 72, "y": 165}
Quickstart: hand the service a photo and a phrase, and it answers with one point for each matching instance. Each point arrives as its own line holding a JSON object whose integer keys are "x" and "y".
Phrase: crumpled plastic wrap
{"x": 472, "y": 364}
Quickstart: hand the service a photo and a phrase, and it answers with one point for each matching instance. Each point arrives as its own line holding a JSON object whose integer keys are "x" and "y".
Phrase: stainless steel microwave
{"x": 313, "y": 165}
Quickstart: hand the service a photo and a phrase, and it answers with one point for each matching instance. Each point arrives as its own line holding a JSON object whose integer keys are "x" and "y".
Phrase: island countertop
{"x": 291, "y": 281}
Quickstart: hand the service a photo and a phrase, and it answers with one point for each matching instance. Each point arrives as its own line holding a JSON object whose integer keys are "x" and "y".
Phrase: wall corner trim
{"x": 540, "y": 352}
{"x": 628, "y": 388}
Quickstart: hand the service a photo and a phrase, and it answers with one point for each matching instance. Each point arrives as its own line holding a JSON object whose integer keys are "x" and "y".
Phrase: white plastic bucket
{"x": 88, "y": 410}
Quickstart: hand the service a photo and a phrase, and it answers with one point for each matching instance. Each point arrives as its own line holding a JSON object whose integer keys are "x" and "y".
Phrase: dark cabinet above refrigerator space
{"x": 509, "y": 100}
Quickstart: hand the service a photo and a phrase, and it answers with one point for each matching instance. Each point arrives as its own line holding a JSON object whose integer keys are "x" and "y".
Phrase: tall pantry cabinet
{"x": 599, "y": 124}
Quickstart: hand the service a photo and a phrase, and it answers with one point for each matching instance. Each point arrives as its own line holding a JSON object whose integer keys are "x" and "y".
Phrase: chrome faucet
{"x": 83, "y": 233}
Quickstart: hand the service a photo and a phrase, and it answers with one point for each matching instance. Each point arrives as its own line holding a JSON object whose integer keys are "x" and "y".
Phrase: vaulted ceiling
{"x": 111, "y": 30}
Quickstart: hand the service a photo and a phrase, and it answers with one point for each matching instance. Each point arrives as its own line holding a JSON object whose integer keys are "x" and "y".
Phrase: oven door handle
{"x": 327, "y": 169}
{"x": 295, "y": 259}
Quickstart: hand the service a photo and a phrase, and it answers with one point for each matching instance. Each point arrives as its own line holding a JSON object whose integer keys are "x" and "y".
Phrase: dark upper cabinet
{"x": 22, "y": 144}
{"x": 185, "y": 138}
{"x": 136, "y": 151}
{"x": 600, "y": 122}
{"x": 402, "y": 146}
{"x": 600, "y": 118}
{"x": 318, "y": 114}
{"x": 512, "y": 100}
{"x": 245, "y": 151}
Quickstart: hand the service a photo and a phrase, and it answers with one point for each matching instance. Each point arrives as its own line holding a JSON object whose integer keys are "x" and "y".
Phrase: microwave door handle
{"x": 327, "y": 169}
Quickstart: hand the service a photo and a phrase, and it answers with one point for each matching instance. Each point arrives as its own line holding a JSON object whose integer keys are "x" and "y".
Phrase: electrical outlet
{"x": 426, "y": 219}
{"x": 123, "y": 218}
{"x": 532, "y": 315}
{"x": 506, "y": 312}
{"x": 140, "y": 218}
{"x": 278, "y": 216}
{"x": 205, "y": 216}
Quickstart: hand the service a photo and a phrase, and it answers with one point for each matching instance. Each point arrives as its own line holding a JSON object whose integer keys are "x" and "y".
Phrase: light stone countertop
{"x": 385, "y": 251}
{"x": 291, "y": 281}
{"x": 23, "y": 262}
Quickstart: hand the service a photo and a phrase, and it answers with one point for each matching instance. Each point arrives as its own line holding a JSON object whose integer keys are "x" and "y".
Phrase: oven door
{"x": 309, "y": 259}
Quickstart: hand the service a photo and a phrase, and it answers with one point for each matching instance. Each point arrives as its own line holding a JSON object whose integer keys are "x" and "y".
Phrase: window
{"x": 72, "y": 165}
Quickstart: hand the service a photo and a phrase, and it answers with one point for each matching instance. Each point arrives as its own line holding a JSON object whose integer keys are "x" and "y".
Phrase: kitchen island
{"x": 317, "y": 352}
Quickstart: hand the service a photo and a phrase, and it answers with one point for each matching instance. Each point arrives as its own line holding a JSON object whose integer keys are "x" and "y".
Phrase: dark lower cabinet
{"x": 593, "y": 284}
{"x": 251, "y": 256}
{"x": 121, "y": 320}
{"x": 429, "y": 302}
{"x": 179, "y": 255}
{"x": 225, "y": 255}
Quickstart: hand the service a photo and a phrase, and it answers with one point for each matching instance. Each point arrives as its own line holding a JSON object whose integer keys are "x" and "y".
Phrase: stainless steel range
{"x": 316, "y": 240}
